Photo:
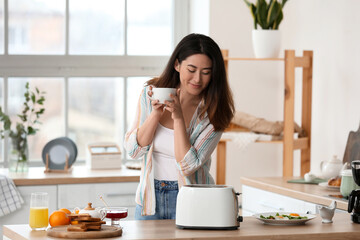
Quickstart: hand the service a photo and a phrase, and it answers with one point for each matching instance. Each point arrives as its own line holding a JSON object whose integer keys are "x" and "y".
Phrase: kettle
{"x": 331, "y": 168}
{"x": 93, "y": 212}
{"x": 195, "y": 202}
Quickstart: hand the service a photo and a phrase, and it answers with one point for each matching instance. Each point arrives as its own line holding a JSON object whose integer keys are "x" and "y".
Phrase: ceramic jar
{"x": 331, "y": 168}
{"x": 347, "y": 183}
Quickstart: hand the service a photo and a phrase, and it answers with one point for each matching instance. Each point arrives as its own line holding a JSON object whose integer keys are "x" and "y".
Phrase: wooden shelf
{"x": 252, "y": 59}
{"x": 289, "y": 143}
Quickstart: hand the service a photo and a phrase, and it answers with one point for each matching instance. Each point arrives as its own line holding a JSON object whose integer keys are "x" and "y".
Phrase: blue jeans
{"x": 166, "y": 194}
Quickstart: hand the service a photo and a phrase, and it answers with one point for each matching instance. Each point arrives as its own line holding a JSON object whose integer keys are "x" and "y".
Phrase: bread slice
{"x": 86, "y": 219}
{"x": 77, "y": 228}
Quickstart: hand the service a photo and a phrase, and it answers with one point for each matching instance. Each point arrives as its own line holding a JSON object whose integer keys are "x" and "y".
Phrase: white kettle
{"x": 202, "y": 206}
{"x": 331, "y": 168}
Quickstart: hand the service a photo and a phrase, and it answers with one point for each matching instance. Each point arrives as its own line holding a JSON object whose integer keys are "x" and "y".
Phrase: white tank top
{"x": 164, "y": 163}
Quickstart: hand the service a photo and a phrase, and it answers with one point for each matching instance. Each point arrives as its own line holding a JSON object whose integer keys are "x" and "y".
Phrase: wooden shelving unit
{"x": 289, "y": 143}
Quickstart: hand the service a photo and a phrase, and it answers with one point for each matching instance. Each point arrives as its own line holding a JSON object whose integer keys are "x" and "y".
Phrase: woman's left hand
{"x": 174, "y": 107}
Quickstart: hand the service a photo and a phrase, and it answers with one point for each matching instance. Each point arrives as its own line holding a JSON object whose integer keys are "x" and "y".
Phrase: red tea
{"x": 116, "y": 215}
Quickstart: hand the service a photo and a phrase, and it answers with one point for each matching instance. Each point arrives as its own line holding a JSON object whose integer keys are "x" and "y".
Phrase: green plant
{"x": 267, "y": 15}
{"x": 29, "y": 118}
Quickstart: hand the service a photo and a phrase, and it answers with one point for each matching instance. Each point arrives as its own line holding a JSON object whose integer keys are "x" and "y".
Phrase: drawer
{"x": 115, "y": 194}
{"x": 255, "y": 200}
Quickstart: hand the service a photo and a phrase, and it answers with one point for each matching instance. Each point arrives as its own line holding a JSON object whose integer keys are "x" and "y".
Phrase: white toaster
{"x": 201, "y": 206}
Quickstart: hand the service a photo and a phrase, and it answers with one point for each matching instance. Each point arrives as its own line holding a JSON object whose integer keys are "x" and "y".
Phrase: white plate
{"x": 329, "y": 187}
{"x": 283, "y": 222}
{"x": 57, "y": 150}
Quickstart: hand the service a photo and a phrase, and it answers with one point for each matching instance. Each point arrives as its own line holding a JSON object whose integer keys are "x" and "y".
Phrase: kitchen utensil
{"x": 39, "y": 211}
{"x": 104, "y": 232}
{"x": 94, "y": 212}
{"x": 201, "y": 206}
{"x": 327, "y": 213}
{"x": 103, "y": 200}
{"x": 352, "y": 149}
{"x": 57, "y": 150}
{"x": 347, "y": 182}
{"x": 354, "y": 197}
{"x": 331, "y": 168}
{"x": 115, "y": 214}
{"x": 281, "y": 221}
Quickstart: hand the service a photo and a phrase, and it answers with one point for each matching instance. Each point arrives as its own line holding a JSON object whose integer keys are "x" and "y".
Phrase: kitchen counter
{"x": 77, "y": 174}
{"x": 251, "y": 228}
{"x": 307, "y": 192}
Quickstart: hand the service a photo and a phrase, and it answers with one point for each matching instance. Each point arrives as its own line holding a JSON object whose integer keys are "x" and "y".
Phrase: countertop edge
{"x": 75, "y": 180}
{"x": 263, "y": 185}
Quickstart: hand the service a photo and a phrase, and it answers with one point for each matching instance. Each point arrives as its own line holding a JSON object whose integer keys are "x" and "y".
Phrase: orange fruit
{"x": 76, "y": 211}
{"x": 65, "y": 210}
{"x": 58, "y": 218}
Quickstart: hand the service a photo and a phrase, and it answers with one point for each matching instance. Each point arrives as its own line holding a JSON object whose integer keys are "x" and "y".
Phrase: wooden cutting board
{"x": 105, "y": 232}
{"x": 352, "y": 150}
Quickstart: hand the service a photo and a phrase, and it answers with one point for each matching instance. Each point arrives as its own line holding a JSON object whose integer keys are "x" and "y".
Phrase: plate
{"x": 329, "y": 187}
{"x": 57, "y": 149}
{"x": 283, "y": 222}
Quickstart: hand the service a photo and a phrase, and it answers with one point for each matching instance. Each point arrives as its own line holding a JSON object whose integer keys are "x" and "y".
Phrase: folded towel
{"x": 10, "y": 198}
{"x": 261, "y": 125}
{"x": 243, "y": 139}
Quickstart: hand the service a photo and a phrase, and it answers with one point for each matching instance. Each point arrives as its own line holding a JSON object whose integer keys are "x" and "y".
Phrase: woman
{"x": 176, "y": 139}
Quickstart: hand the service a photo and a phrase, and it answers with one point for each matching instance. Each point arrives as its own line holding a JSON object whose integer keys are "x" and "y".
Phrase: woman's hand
{"x": 174, "y": 107}
{"x": 158, "y": 108}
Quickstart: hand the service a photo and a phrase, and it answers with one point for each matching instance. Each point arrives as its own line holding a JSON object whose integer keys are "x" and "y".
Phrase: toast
{"x": 84, "y": 222}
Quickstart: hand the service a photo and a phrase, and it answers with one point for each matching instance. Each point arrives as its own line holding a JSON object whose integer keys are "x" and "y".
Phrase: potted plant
{"x": 266, "y": 40}
{"x": 29, "y": 117}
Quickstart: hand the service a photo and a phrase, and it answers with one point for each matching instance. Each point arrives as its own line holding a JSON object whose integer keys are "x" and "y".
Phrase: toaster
{"x": 202, "y": 206}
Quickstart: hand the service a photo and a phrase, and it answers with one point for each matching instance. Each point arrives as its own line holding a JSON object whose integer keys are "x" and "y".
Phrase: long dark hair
{"x": 218, "y": 101}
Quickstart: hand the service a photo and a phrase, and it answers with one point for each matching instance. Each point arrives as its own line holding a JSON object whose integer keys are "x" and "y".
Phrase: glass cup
{"x": 39, "y": 211}
{"x": 115, "y": 214}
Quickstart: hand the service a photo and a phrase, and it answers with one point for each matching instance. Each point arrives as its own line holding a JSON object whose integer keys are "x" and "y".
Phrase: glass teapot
{"x": 332, "y": 168}
{"x": 93, "y": 212}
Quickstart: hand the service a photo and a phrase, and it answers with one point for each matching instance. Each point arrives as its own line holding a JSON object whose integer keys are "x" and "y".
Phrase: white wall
{"x": 331, "y": 30}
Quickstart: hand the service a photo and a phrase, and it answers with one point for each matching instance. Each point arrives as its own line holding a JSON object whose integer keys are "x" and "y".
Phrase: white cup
{"x": 163, "y": 94}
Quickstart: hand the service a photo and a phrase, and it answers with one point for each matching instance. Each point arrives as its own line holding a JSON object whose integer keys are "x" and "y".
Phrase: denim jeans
{"x": 166, "y": 193}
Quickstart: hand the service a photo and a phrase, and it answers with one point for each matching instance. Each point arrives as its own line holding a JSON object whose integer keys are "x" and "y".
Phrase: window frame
{"x": 67, "y": 66}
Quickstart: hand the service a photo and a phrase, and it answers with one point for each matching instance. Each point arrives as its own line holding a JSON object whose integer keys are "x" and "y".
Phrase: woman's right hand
{"x": 158, "y": 108}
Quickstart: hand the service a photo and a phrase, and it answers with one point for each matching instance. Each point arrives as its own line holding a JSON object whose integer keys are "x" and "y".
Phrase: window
{"x": 95, "y": 108}
{"x": 91, "y": 58}
{"x": 36, "y": 26}
{"x": 1, "y": 26}
{"x": 148, "y": 22}
{"x": 101, "y": 25}
{"x": 52, "y": 120}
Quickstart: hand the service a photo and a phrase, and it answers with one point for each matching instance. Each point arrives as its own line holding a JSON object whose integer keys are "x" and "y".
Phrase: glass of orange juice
{"x": 39, "y": 211}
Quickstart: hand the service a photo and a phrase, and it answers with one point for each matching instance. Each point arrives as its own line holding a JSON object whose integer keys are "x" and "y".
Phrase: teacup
{"x": 115, "y": 214}
{"x": 163, "y": 94}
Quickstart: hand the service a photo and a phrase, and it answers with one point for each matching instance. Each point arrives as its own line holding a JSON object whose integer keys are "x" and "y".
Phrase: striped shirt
{"x": 194, "y": 168}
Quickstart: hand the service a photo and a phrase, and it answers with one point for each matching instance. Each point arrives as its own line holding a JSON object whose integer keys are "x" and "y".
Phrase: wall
{"x": 331, "y": 31}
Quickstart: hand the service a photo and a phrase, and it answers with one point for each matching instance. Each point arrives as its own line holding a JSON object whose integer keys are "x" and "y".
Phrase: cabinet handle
{"x": 272, "y": 205}
{"x": 118, "y": 194}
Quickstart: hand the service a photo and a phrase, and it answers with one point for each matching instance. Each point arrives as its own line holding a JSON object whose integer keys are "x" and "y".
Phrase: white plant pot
{"x": 266, "y": 43}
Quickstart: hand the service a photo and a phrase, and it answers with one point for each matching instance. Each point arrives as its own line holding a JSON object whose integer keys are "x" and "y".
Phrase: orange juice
{"x": 39, "y": 218}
